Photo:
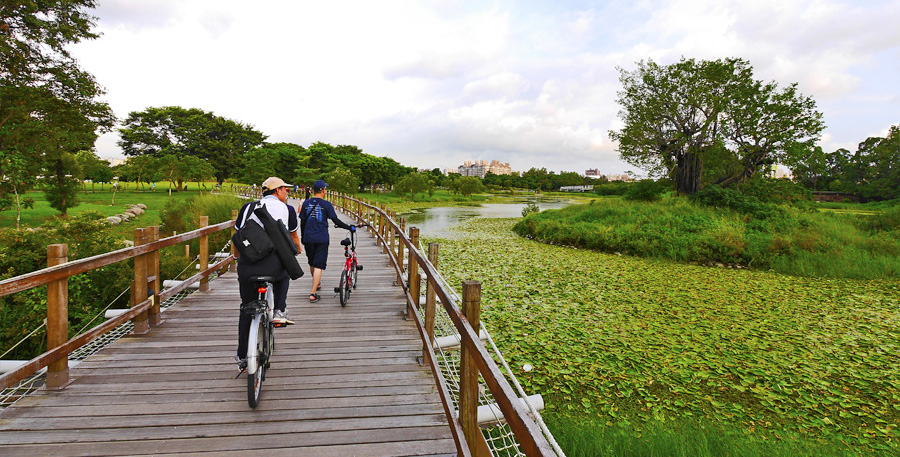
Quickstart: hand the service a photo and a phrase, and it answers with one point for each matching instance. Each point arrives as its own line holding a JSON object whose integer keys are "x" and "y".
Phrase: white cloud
{"x": 434, "y": 83}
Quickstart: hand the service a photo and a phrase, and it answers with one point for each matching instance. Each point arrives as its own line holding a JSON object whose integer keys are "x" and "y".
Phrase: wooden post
{"x": 390, "y": 229}
{"x": 155, "y": 282}
{"x": 57, "y": 317}
{"x": 430, "y": 298}
{"x": 382, "y": 229}
{"x": 204, "y": 254}
{"x": 414, "y": 286}
{"x": 400, "y": 245}
{"x": 233, "y": 267}
{"x": 139, "y": 285}
{"x": 468, "y": 371}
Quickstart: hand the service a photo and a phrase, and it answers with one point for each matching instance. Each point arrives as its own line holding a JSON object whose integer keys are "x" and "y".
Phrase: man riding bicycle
{"x": 314, "y": 215}
{"x": 275, "y": 193}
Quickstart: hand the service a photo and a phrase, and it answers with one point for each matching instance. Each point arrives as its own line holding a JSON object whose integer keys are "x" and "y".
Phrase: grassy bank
{"x": 624, "y": 343}
{"x": 835, "y": 243}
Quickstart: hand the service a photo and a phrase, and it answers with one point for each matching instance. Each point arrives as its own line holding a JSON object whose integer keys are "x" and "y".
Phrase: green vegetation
{"x": 87, "y": 233}
{"x": 743, "y": 232}
{"x": 634, "y": 345}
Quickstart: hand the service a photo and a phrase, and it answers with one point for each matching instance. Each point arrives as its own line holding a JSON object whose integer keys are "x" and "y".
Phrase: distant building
{"x": 481, "y": 167}
{"x": 576, "y": 188}
{"x": 622, "y": 177}
{"x": 592, "y": 173}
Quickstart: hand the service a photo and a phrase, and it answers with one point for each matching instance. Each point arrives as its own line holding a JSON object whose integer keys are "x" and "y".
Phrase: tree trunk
{"x": 687, "y": 173}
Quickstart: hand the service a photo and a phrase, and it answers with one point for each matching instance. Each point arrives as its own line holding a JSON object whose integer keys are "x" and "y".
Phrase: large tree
{"x": 678, "y": 117}
{"x": 172, "y": 130}
{"x": 874, "y": 171}
{"x": 48, "y": 105}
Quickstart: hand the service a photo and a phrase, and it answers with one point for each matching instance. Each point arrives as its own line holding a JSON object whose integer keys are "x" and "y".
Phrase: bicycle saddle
{"x": 345, "y": 242}
{"x": 262, "y": 279}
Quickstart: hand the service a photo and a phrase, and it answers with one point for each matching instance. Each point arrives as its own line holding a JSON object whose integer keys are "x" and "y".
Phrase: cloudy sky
{"x": 433, "y": 83}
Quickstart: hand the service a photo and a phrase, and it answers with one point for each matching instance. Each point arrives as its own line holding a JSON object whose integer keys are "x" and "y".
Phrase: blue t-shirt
{"x": 314, "y": 215}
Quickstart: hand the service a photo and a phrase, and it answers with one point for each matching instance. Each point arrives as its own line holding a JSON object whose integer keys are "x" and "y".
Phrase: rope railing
{"x": 468, "y": 379}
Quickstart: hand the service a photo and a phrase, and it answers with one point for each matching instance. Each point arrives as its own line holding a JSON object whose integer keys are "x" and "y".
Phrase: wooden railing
{"x": 145, "y": 313}
{"x": 465, "y": 316}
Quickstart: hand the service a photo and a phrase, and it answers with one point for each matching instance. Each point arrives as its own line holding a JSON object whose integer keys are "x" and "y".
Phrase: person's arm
{"x": 333, "y": 216}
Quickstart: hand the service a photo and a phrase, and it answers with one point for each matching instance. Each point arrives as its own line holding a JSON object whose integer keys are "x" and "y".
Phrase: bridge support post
{"x": 155, "y": 282}
{"x": 139, "y": 285}
{"x": 430, "y": 300}
{"x": 204, "y": 254}
{"x": 400, "y": 247}
{"x": 468, "y": 373}
{"x": 414, "y": 286}
{"x": 57, "y": 318}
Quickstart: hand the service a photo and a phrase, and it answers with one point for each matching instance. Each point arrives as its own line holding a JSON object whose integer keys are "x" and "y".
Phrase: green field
{"x": 620, "y": 343}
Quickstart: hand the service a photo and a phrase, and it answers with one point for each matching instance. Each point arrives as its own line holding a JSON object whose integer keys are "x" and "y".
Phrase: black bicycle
{"x": 261, "y": 339}
{"x": 351, "y": 268}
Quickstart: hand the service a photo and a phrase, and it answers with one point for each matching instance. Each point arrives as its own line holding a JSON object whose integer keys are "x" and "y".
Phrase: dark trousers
{"x": 249, "y": 293}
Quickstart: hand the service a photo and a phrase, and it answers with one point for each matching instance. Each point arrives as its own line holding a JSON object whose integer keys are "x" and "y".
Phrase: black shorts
{"x": 317, "y": 254}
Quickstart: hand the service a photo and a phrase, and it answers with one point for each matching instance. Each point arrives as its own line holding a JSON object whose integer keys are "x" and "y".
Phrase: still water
{"x": 436, "y": 222}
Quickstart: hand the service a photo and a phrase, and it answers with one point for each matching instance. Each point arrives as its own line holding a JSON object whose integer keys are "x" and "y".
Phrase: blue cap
{"x": 320, "y": 184}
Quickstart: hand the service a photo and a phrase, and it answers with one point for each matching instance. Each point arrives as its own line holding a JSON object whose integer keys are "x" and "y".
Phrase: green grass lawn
{"x": 106, "y": 202}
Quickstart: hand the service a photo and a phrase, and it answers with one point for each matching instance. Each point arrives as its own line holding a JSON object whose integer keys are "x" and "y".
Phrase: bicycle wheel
{"x": 256, "y": 343}
{"x": 353, "y": 273}
{"x": 344, "y": 289}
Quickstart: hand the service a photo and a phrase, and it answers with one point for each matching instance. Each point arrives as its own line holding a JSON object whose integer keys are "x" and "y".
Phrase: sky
{"x": 431, "y": 84}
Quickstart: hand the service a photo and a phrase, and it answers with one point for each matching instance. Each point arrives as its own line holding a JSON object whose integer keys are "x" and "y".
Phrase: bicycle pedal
{"x": 337, "y": 290}
{"x": 359, "y": 268}
{"x": 280, "y": 324}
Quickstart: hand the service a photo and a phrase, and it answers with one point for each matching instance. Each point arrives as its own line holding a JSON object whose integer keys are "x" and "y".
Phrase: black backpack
{"x": 251, "y": 240}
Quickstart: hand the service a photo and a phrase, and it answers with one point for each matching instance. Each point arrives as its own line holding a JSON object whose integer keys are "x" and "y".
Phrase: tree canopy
{"x": 680, "y": 117}
{"x": 48, "y": 105}
{"x": 172, "y": 130}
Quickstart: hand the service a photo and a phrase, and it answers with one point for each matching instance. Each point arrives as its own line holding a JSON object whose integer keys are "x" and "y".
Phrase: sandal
{"x": 314, "y": 298}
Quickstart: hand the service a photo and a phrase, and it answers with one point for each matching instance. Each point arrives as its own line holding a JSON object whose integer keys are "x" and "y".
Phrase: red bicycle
{"x": 351, "y": 268}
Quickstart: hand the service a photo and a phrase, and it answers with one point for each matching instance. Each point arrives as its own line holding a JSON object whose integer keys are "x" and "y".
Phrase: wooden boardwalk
{"x": 343, "y": 382}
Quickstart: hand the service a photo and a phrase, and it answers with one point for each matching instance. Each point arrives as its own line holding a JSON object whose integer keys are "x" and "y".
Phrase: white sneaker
{"x": 281, "y": 318}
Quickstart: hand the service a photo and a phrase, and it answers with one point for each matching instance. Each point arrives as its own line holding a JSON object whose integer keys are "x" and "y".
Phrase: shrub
{"x": 647, "y": 190}
{"x": 23, "y": 251}
{"x": 184, "y": 216}
{"x": 530, "y": 208}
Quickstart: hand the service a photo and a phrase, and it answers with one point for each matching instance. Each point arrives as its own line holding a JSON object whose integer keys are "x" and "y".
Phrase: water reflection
{"x": 436, "y": 222}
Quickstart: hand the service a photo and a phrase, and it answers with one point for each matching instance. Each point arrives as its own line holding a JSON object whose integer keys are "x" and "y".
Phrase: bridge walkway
{"x": 343, "y": 382}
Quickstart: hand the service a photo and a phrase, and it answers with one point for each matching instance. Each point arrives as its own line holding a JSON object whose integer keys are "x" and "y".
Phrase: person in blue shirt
{"x": 314, "y": 215}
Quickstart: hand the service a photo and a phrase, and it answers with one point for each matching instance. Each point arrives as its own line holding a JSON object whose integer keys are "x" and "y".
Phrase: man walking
{"x": 314, "y": 215}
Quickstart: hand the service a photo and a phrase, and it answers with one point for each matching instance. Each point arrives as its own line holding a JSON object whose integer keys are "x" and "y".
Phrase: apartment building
{"x": 481, "y": 167}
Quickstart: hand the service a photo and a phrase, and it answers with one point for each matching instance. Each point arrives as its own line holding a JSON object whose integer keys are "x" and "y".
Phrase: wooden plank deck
{"x": 343, "y": 382}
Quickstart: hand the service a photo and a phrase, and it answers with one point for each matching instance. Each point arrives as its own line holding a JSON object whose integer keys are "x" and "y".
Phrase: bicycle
{"x": 351, "y": 268}
{"x": 261, "y": 339}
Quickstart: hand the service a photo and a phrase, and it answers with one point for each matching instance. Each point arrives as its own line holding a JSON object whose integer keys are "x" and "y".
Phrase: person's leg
{"x": 280, "y": 291}
{"x": 248, "y": 294}
{"x": 317, "y": 278}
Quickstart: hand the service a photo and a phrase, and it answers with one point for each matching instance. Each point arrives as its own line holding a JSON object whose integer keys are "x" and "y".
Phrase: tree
{"x": 468, "y": 185}
{"x": 412, "y": 184}
{"x": 195, "y": 169}
{"x": 181, "y": 132}
{"x": 680, "y": 116}
{"x": 48, "y": 106}
{"x": 875, "y": 168}
{"x": 342, "y": 180}
{"x": 93, "y": 168}
{"x": 15, "y": 180}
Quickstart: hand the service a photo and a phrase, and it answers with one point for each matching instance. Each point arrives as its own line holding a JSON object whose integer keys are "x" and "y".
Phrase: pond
{"x": 436, "y": 222}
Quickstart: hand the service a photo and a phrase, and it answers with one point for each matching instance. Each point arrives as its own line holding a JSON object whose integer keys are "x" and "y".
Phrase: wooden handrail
{"x": 68, "y": 269}
{"x": 530, "y": 438}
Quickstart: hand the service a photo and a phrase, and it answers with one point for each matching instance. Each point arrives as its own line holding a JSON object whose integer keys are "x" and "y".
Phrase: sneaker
{"x": 242, "y": 363}
{"x": 281, "y": 318}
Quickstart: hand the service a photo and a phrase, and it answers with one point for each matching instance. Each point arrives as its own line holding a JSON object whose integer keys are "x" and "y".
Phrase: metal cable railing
{"x": 27, "y": 386}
